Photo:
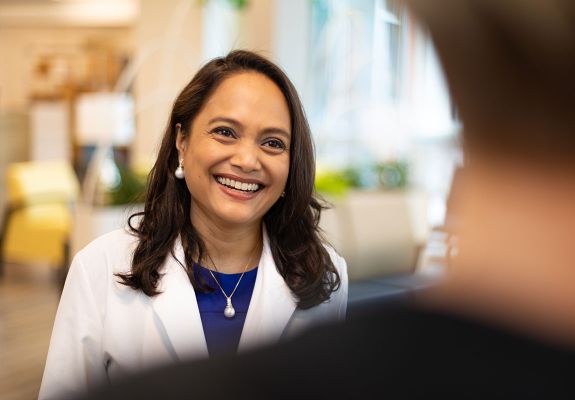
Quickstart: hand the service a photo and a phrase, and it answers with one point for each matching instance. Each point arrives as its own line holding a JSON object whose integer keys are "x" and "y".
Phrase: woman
{"x": 227, "y": 254}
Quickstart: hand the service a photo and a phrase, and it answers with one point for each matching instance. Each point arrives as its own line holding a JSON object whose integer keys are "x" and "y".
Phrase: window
{"x": 375, "y": 92}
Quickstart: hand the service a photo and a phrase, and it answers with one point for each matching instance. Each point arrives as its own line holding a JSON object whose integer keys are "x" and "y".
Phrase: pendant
{"x": 229, "y": 311}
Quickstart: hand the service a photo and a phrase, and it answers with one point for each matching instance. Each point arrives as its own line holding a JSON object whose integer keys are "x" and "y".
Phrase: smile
{"x": 237, "y": 185}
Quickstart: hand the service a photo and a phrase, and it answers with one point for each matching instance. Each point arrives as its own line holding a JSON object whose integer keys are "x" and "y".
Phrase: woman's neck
{"x": 230, "y": 249}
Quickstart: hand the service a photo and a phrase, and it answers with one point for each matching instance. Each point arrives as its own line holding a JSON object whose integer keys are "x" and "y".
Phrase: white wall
{"x": 170, "y": 49}
{"x": 167, "y": 55}
{"x": 291, "y": 29}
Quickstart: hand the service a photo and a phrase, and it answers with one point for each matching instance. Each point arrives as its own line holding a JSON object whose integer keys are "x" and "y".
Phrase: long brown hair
{"x": 291, "y": 223}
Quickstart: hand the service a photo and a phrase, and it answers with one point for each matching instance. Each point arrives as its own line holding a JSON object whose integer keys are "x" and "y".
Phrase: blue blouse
{"x": 223, "y": 334}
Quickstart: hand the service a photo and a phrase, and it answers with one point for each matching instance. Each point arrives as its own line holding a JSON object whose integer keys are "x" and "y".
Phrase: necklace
{"x": 229, "y": 311}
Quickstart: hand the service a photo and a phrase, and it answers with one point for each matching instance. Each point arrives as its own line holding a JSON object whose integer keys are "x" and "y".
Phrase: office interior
{"x": 86, "y": 87}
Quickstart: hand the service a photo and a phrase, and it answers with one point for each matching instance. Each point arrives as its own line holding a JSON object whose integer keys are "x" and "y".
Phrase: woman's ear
{"x": 181, "y": 140}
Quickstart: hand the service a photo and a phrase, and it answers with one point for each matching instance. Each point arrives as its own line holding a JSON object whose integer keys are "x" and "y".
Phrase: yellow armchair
{"x": 38, "y": 219}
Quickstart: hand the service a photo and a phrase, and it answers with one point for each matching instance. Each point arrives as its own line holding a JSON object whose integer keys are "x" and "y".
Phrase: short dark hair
{"x": 509, "y": 66}
{"x": 291, "y": 223}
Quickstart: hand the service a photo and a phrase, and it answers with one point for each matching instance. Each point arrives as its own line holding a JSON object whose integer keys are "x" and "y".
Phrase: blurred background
{"x": 86, "y": 87}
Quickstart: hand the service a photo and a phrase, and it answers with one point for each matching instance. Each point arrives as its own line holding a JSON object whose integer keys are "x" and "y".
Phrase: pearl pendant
{"x": 229, "y": 311}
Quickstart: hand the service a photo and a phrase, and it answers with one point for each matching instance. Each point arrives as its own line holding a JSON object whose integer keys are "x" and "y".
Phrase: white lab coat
{"x": 105, "y": 330}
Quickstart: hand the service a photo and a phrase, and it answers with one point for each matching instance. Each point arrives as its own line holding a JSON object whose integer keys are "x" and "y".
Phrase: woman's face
{"x": 236, "y": 155}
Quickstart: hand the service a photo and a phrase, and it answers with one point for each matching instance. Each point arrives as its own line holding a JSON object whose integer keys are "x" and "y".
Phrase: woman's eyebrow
{"x": 225, "y": 119}
{"x": 232, "y": 121}
{"x": 277, "y": 131}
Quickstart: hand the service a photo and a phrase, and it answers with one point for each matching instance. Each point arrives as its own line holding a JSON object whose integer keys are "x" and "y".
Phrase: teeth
{"x": 246, "y": 187}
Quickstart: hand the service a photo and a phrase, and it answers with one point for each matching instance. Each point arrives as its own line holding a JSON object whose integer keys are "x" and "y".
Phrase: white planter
{"x": 378, "y": 232}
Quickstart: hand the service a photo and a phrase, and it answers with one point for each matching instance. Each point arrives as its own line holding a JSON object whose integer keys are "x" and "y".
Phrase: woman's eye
{"x": 275, "y": 144}
{"x": 222, "y": 131}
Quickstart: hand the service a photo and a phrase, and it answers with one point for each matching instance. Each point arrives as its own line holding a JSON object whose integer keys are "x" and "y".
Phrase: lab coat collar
{"x": 177, "y": 308}
{"x": 271, "y": 306}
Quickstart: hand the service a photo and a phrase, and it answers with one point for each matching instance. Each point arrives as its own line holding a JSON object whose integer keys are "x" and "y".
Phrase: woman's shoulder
{"x": 111, "y": 242}
{"x": 337, "y": 260}
{"x": 114, "y": 249}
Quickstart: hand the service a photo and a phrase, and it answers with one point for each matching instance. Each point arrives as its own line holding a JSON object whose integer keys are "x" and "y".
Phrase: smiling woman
{"x": 236, "y": 153}
{"x": 226, "y": 255}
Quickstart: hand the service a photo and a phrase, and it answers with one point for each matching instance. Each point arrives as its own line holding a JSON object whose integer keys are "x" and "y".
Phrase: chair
{"x": 38, "y": 220}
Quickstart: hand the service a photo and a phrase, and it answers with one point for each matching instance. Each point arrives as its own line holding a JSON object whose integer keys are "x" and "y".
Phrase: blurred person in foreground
{"x": 227, "y": 254}
{"x": 502, "y": 323}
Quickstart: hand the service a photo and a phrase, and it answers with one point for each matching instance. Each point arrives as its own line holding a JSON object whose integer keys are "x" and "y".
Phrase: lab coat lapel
{"x": 177, "y": 309}
{"x": 271, "y": 306}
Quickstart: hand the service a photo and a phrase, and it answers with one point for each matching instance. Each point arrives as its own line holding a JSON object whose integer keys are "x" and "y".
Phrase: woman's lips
{"x": 229, "y": 187}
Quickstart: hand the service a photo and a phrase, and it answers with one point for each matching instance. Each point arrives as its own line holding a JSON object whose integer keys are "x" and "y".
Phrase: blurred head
{"x": 230, "y": 122}
{"x": 509, "y": 65}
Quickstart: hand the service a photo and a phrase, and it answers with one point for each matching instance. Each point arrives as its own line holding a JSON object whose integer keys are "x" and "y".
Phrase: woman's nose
{"x": 246, "y": 157}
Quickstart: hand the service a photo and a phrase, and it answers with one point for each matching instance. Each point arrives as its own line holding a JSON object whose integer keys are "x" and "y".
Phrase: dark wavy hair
{"x": 291, "y": 223}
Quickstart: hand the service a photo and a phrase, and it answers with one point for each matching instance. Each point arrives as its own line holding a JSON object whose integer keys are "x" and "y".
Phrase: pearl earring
{"x": 179, "y": 173}
{"x": 283, "y": 194}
